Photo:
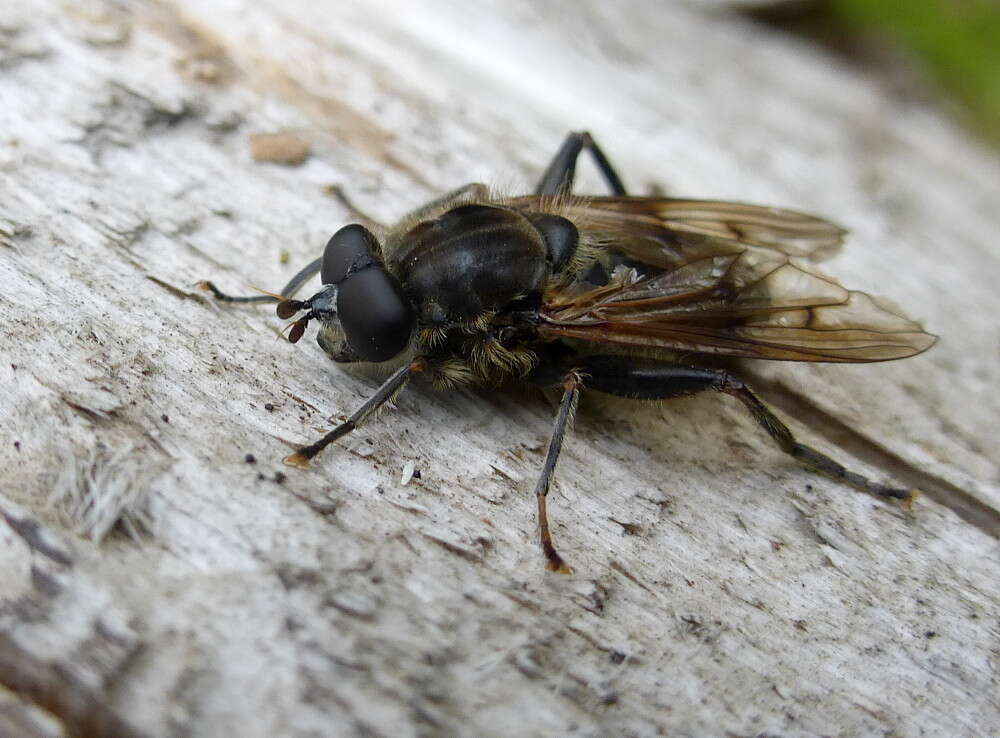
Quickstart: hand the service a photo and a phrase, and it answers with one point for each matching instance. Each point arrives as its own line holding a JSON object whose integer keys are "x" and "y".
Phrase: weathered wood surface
{"x": 719, "y": 589}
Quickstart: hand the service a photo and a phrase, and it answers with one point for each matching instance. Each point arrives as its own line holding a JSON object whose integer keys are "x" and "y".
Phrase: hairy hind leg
{"x": 808, "y": 456}
{"x": 652, "y": 379}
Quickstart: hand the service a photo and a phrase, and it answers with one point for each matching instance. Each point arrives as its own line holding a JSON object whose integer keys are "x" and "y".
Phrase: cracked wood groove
{"x": 718, "y": 590}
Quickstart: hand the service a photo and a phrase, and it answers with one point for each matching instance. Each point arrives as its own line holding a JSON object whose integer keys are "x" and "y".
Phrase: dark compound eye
{"x": 349, "y": 250}
{"x": 374, "y": 313}
{"x": 376, "y": 316}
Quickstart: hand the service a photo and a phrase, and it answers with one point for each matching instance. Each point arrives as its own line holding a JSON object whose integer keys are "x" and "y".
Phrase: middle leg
{"x": 633, "y": 378}
{"x": 640, "y": 378}
{"x": 564, "y": 418}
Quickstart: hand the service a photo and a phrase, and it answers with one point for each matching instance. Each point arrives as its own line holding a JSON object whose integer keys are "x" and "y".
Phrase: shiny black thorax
{"x": 479, "y": 259}
{"x": 475, "y": 277}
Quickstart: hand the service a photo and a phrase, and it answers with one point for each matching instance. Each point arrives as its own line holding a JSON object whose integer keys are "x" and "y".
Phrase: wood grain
{"x": 719, "y": 589}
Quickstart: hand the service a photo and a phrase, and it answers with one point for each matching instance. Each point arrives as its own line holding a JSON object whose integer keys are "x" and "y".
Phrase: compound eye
{"x": 375, "y": 314}
{"x": 349, "y": 250}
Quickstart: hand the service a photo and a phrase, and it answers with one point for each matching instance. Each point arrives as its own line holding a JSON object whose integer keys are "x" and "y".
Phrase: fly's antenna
{"x": 295, "y": 329}
{"x": 287, "y": 308}
{"x": 322, "y": 304}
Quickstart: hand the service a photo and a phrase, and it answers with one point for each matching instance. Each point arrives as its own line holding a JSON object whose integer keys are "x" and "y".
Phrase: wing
{"x": 716, "y": 296}
{"x": 785, "y": 231}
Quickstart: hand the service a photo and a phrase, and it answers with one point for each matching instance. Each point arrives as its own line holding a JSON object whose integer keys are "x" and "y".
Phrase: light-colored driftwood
{"x": 719, "y": 589}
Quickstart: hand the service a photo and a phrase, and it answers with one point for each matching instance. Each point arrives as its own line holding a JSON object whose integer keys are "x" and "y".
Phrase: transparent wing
{"x": 711, "y": 296}
{"x": 789, "y": 232}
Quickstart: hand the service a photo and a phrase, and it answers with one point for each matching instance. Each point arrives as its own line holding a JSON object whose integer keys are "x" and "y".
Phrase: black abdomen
{"x": 473, "y": 259}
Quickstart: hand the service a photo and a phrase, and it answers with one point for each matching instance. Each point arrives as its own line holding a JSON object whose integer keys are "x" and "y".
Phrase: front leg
{"x": 386, "y": 392}
{"x": 309, "y": 271}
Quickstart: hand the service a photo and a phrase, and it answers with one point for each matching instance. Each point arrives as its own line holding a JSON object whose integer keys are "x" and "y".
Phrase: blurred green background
{"x": 952, "y": 45}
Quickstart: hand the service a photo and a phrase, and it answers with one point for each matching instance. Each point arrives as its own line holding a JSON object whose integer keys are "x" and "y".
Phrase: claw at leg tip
{"x": 297, "y": 460}
{"x": 907, "y": 502}
{"x": 558, "y": 565}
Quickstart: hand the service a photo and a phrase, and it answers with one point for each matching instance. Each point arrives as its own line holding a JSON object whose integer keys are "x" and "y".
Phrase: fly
{"x": 639, "y": 297}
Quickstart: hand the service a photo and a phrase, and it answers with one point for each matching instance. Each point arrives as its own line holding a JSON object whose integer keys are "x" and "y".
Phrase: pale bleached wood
{"x": 749, "y": 598}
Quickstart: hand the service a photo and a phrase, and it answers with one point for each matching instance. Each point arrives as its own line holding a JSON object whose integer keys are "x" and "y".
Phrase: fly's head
{"x": 363, "y": 312}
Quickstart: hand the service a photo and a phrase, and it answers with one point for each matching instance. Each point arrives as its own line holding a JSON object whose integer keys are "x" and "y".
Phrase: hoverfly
{"x": 628, "y": 296}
